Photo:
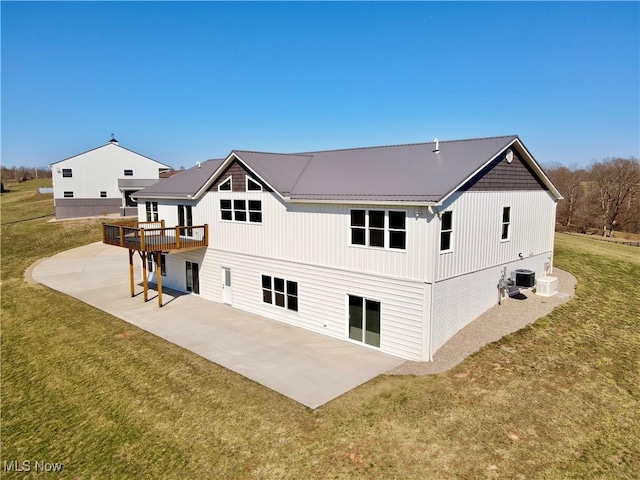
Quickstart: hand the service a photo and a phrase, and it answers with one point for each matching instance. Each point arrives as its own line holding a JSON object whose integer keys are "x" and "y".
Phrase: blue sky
{"x": 184, "y": 82}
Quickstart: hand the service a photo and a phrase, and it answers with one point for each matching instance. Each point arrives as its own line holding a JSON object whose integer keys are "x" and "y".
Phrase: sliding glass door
{"x": 364, "y": 320}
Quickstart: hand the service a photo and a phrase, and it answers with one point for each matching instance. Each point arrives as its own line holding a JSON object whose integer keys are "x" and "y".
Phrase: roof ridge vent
{"x": 437, "y": 142}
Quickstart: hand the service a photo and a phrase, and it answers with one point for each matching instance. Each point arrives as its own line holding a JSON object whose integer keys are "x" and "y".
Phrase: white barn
{"x": 101, "y": 181}
{"x": 395, "y": 247}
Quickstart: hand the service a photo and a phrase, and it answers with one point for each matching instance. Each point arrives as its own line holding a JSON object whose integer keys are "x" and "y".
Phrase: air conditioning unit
{"x": 547, "y": 286}
{"x": 523, "y": 278}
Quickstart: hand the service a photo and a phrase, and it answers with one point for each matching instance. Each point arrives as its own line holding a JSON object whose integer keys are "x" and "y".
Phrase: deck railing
{"x": 154, "y": 236}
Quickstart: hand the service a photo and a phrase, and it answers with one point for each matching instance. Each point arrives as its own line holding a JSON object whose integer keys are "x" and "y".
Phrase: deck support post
{"x": 159, "y": 276}
{"x": 131, "y": 281}
{"x": 143, "y": 256}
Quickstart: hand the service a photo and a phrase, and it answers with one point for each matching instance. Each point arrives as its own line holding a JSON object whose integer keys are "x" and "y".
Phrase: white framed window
{"x": 185, "y": 219}
{"x": 506, "y": 224}
{"x": 226, "y": 185}
{"x": 152, "y": 211}
{"x": 252, "y": 185}
{"x": 379, "y": 228}
{"x": 280, "y": 292}
{"x": 103, "y": 194}
{"x": 446, "y": 231}
{"x": 67, "y": 172}
{"x": 68, "y": 194}
{"x": 128, "y": 173}
{"x": 241, "y": 210}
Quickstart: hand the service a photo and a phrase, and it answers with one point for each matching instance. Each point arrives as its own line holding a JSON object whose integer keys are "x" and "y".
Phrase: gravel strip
{"x": 495, "y": 323}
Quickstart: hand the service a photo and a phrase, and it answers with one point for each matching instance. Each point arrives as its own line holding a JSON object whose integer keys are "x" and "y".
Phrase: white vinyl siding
{"x": 99, "y": 170}
{"x": 478, "y": 219}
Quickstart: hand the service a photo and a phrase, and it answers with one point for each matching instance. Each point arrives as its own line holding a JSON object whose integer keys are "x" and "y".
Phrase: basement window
{"x": 280, "y": 292}
{"x": 68, "y": 194}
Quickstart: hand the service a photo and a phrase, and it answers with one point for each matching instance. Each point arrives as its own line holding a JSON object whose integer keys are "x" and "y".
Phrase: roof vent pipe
{"x": 437, "y": 142}
{"x": 199, "y": 167}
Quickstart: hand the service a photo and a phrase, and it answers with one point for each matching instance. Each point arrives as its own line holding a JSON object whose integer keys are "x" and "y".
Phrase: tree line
{"x": 22, "y": 174}
{"x": 603, "y": 198}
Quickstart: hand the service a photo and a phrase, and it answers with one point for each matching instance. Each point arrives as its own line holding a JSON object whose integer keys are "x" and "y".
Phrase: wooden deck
{"x": 155, "y": 237}
{"x": 151, "y": 240}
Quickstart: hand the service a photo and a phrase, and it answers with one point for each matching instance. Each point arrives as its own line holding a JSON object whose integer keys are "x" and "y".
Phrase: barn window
{"x": 128, "y": 173}
{"x": 103, "y": 194}
{"x": 67, "y": 172}
{"x": 68, "y": 194}
{"x": 446, "y": 231}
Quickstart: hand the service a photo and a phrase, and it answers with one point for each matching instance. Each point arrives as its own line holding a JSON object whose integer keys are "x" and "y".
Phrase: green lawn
{"x": 559, "y": 399}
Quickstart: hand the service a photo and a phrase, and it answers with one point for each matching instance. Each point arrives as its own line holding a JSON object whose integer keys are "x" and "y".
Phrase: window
{"x": 446, "y": 229}
{"x": 379, "y": 228}
{"x": 185, "y": 218}
{"x": 255, "y": 211}
{"x": 279, "y": 292}
{"x": 376, "y": 228}
{"x": 364, "y": 320}
{"x": 163, "y": 265}
{"x": 397, "y": 230}
{"x": 225, "y": 210}
{"x": 150, "y": 263}
{"x": 241, "y": 210}
{"x": 225, "y": 186}
{"x": 506, "y": 222}
{"x": 358, "y": 227}
{"x": 103, "y": 194}
{"x": 68, "y": 194}
{"x": 129, "y": 202}
{"x": 67, "y": 172}
{"x": 253, "y": 186}
{"x": 128, "y": 173}
{"x": 152, "y": 211}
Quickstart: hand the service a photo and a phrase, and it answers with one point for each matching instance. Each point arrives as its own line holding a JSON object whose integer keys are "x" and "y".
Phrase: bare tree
{"x": 570, "y": 182}
{"x": 614, "y": 184}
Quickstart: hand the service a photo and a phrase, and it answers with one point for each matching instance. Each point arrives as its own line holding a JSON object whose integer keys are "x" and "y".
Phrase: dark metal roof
{"x": 394, "y": 173}
{"x": 183, "y": 184}
{"x": 414, "y": 172}
{"x": 280, "y": 170}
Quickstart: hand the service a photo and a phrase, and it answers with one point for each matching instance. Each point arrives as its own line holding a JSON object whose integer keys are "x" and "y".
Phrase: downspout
{"x": 434, "y": 272}
{"x": 553, "y": 237}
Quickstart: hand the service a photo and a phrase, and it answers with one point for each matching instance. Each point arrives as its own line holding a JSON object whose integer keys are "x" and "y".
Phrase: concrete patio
{"x": 307, "y": 367}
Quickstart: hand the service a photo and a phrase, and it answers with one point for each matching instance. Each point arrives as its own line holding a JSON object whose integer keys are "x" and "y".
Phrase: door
{"x": 364, "y": 320}
{"x": 185, "y": 218}
{"x": 192, "y": 277}
{"x": 227, "y": 293}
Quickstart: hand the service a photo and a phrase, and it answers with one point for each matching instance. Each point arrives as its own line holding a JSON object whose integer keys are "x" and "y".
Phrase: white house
{"x": 101, "y": 181}
{"x": 393, "y": 247}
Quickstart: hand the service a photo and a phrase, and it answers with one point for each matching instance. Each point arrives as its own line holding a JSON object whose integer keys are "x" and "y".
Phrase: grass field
{"x": 558, "y": 399}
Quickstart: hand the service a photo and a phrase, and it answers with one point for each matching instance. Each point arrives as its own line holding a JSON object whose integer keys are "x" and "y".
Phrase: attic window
{"x": 225, "y": 186}
{"x": 253, "y": 186}
{"x": 67, "y": 172}
{"x": 128, "y": 173}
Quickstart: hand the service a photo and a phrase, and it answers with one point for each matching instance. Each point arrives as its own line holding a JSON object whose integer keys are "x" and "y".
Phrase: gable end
{"x": 501, "y": 175}
{"x": 238, "y": 182}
